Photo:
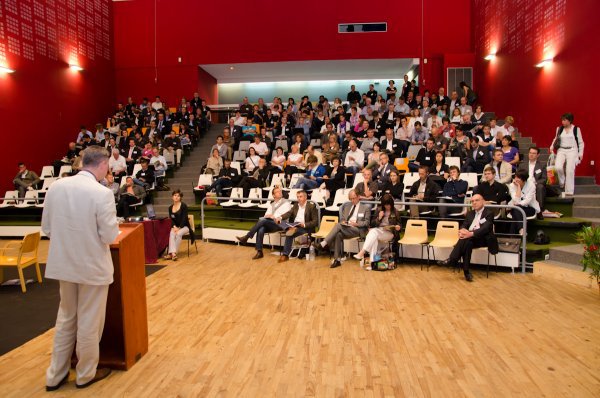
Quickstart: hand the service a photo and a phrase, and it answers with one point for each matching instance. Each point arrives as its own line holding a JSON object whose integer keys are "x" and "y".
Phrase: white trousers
{"x": 171, "y": 156}
{"x": 80, "y": 318}
{"x": 372, "y": 239}
{"x": 175, "y": 239}
{"x": 566, "y": 161}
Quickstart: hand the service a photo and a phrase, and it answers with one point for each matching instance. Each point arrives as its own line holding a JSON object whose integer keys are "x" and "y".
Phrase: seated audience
{"x": 493, "y": 192}
{"x": 117, "y": 165}
{"x": 423, "y": 190}
{"x": 331, "y": 148}
{"x": 295, "y": 162}
{"x": 355, "y": 158}
{"x": 367, "y": 189}
{"x": 214, "y": 163}
{"x": 131, "y": 154}
{"x": 334, "y": 178}
{"x": 227, "y": 178}
{"x": 129, "y": 195}
{"x": 503, "y": 169}
{"x": 477, "y": 157}
{"x": 394, "y": 187}
{"x": 221, "y": 147}
{"x": 522, "y": 193}
{"x": 373, "y": 158}
{"x": 174, "y": 149}
{"x": 476, "y": 231}
{"x": 25, "y": 180}
{"x": 313, "y": 176}
{"x": 302, "y": 219}
{"x": 537, "y": 175}
{"x": 251, "y": 161}
{"x": 145, "y": 177}
{"x": 425, "y": 157}
{"x": 354, "y": 223}
{"x": 180, "y": 225}
{"x": 392, "y": 146}
{"x": 510, "y": 154}
{"x": 278, "y": 160}
{"x": 268, "y": 223}
{"x": 259, "y": 146}
{"x": 385, "y": 226}
{"x": 381, "y": 173}
{"x": 257, "y": 179}
{"x": 454, "y": 191}
{"x": 419, "y": 135}
{"x": 367, "y": 143}
{"x": 109, "y": 182}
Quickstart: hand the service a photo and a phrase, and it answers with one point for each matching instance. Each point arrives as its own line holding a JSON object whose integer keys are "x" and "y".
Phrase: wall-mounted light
{"x": 75, "y": 68}
{"x": 4, "y": 69}
{"x": 231, "y": 67}
{"x": 544, "y": 63}
{"x": 490, "y": 57}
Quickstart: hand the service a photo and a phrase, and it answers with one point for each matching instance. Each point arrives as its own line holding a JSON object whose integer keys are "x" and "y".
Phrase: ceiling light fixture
{"x": 4, "y": 69}
{"x": 490, "y": 57}
{"x": 544, "y": 63}
{"x": 231, "y": 67}
{"x": 75, "y": 67}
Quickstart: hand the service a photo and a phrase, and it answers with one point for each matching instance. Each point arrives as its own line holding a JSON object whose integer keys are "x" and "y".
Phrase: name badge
{"x": 387, "y": 171}
{"x": 482, "y": 220}
{"x": 481, "y": 153}
{"x": 427, "y": 158}
{"x": 361, "y": 214}
{"x": 538, "y": 171}
{"x": 394, "y": 146}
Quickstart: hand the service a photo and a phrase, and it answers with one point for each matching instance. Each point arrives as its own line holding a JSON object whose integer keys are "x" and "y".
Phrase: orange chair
{"x": 25, "y": 254}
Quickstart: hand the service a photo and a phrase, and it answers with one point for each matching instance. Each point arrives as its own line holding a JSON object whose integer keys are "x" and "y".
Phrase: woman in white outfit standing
{"x": 568, "y": 144}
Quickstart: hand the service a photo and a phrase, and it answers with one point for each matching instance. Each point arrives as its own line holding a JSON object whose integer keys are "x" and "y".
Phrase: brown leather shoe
{"x": 283, "y": 259}
{"x": 101, "y": 373}
{"x": 60, "y": 383}
{"x": 259, "y": 254}
{"x": 242, "y": 239}
{"x": 291, "y": 231}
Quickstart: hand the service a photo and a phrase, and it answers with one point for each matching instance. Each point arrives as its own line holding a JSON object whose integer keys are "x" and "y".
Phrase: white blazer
{"x": 527, "y": 197}
{"x": 80, "y": 219}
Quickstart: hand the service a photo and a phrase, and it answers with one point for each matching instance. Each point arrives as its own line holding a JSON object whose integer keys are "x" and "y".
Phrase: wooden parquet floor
{"x": 221, "y": 324}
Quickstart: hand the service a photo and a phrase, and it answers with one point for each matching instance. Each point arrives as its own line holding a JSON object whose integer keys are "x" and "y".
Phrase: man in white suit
{"x": 80, "y": 220}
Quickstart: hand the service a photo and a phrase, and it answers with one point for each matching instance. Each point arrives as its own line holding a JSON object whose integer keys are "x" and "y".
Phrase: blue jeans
{"x": 220, "y": 184}
{"x": 306, "y": 183}
{"x": 264, "y": 225}
{"x": 287, "y": 246}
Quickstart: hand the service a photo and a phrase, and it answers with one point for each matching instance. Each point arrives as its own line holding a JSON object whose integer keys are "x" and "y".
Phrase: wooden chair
{"x": 415, "y": 234}
{"x": 327, "y": 224}
{"x": 27, "y": 255}
{"x": 192, "y": 231}
{"x": 446, "y": 235}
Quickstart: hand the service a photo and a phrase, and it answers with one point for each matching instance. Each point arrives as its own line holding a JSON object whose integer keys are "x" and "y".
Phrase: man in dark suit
{"x": 476, "y": 231}
{"x": 302, "y": 219}
{"x": 381, "y": 174}
{"x": 538, "y": 175}
{"x": 372, "y": 93}
{"x": 131, "y": 154}
{"x": 492, "y": 190}
{"x": 173, "y": 149}
{"x": 477, "y": 157}
{"x": 354, "y": 223}
{"x": 228, "y": 177}
{"x": 389, "y": 116}
{"x": 163, "y": 127}
{"x": 392, "y": 146}
{"x": 423, "y": 190}
{"x": 425, "y": 157}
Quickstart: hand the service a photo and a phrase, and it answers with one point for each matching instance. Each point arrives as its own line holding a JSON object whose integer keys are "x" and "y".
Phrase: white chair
{"x": 319, "y": 196}
{"x": 292, "y": 193}
{"x": 413, "y": 151}
{"x": 47, "y": 182}
{"x": 294, "y": 179}
{"x": 238, "y": 166}
{"x": 30, "y": 200}
{"x": 471, "y": 179}
{"x": 283, "y": 144}
{"x": 266, "y": 204}
{"x": 235, "y": 197}
{"x": 341, "y": 196}
{"x": 276, "y": 180}
{"x": 315, "y": 142}
{"x": 65, "y": 169}
{"x": 47, "y": 172}
{"x": 255, "y": 193}
{"x": 203, "y": 180}
{"x": 244, "y": 146}
{"x": 239, "y": 156}
{"x": 358, "y": 179}
{"x": 453, "y": 161}
{"x": 10, "y": 199}
{"x": 409, "y": 180}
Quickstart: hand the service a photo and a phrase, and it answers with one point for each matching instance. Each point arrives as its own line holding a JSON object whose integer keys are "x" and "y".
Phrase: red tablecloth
{"x": 156, "y": 238}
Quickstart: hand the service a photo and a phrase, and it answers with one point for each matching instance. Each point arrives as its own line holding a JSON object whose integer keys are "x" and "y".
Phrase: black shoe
{"x": 100, "y": 374}
{"x": 540, "y": 216}
{"x": 318, "y": 248}
{"x": 468, "y": 276}
{"x": 60, "y": 383}
{"x": 259, "y": 254}
{"x": 242, "y": 239}
{"x": 336, "y": 263}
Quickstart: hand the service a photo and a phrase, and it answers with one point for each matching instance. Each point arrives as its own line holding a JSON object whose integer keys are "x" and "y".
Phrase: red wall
{"x": 524, "y": 34}
{"x": 214, "y": 32}
{"x": 44, "y": 102}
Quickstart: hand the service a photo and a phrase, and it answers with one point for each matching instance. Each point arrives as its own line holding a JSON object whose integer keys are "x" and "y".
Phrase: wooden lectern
{"x": 125, "y": 337}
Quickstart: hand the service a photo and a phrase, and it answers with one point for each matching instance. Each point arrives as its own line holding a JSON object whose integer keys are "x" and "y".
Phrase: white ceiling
{"x": 347, "y": 69}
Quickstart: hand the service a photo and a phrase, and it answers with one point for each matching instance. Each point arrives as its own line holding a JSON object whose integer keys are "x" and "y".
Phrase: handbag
{"x": 509, "y": 245}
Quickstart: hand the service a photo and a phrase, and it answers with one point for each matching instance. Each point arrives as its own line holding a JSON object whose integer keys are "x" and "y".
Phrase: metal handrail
{"x": 436, "y": 204}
